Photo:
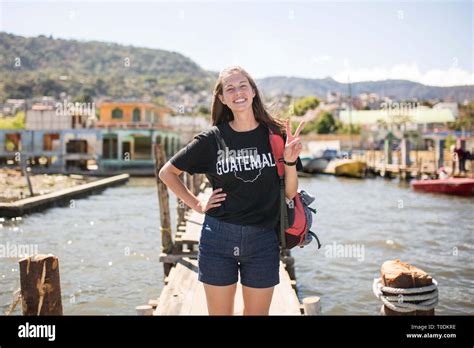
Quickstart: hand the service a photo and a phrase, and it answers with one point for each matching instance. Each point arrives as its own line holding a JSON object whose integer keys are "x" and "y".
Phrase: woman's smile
{"x": 240, "y": 101}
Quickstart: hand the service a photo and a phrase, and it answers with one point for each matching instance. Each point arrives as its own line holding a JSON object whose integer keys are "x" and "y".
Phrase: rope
{"x": 402, "y": 302}
{"x": 16, "y": 300}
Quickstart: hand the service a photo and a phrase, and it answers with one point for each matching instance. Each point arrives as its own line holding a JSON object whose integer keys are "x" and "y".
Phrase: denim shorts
{"x": 226, "y": 248}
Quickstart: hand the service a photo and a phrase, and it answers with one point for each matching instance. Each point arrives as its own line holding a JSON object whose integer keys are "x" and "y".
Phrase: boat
{"x": 317, "y": 164}
{"x": 305, "y": 159}
{"x": 451, "y": 186}
{"x": 336, "y": 163}
{"x": 346, "y": 167}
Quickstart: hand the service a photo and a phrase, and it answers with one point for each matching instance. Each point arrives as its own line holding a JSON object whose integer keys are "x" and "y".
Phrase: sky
{"x": 424, "y": 41}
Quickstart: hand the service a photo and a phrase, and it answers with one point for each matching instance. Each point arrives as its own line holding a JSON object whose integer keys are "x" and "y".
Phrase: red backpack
{"x": 295, "y": 217}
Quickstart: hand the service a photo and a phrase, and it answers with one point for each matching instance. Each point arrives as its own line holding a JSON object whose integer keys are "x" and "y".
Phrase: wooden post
{"x": 180, "y": 219}
{"x": 181, "y": 208}
{"x": 405, "y": 159}
{"x": 405, "y": 150}
{"x": 462, "y": 144}
{"x": 154, "y": 303}
{"x": 420, "y": 168}
{"x": 387, "y": 148}
{"x": 312, "y": 305}
{"x": 40, "y": 285}
{"x": 189, "y": 182}
{"x": 439, "y": 154}
{"x": 289, "y": 262}
{"x": 397, "y": 274}
{"x": 453, "y": 159}
{"x": 197, "y": 178}
{"x": 163, "y": 199}
{"x": 24, "y": 170}
{"x": 416, "y": 154}
{"x": 144, "y": 310}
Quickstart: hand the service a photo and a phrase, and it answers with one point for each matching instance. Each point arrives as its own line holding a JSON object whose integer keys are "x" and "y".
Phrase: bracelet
{"x": 290, "y": 163}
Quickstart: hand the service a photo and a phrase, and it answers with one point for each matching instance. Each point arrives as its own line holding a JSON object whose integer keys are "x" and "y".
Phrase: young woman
{"x": 239, "y": 231}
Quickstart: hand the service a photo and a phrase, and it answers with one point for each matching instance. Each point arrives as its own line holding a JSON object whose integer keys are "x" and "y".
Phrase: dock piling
{"x": 312, "y": 305}
{"x": 439, "y": 153}
{"x": 405, "y": 290}
{"x": 163, "y": 200}
{"x": 144, "y": 310}
{"x": 40, "y": 285}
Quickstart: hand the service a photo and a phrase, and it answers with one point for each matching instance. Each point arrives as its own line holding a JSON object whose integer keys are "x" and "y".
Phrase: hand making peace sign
{"x": 293, "y": 144}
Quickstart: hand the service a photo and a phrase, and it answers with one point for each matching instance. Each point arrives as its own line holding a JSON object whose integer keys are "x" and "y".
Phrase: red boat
{"x": 451, "y": 186}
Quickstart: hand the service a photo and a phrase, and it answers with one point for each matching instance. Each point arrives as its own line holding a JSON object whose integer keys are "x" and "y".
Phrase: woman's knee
{"x": 220, "y": 299}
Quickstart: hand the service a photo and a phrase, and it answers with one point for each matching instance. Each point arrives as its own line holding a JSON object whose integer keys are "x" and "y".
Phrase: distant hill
{"x": 45, "y": 66}
{"x": 37, "y": 66}
{"x": 400, "y": 89}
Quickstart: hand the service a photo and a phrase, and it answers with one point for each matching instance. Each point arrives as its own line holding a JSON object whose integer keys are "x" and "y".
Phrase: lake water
{"x": 108, "y": 246}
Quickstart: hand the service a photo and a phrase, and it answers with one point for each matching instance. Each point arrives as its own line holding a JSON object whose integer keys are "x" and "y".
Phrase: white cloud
{"x": 434, "y": 77}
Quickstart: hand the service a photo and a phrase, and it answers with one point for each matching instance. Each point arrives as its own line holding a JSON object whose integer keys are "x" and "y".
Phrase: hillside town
{"x": 107, "y": 135}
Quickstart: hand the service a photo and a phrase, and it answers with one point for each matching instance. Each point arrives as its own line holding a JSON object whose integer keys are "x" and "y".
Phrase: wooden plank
{"x": 192, "y": 234}
{"x": 181, "y": 280}
{"x": 184, "y": 294}
{"x": 188, "y": 300}
{"x": 172, "y": 258}
{"x": 290, "y": 304}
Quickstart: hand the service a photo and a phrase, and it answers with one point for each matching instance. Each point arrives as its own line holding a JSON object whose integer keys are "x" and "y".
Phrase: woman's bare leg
{"x": 220, "y": 299}
{"x": 257, "y": 301}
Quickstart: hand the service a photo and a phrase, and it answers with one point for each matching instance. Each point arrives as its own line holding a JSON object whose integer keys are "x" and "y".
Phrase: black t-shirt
{"x": 248, "y": 176}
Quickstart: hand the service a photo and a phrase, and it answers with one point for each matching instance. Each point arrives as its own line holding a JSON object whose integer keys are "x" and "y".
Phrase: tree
{"x": 325, "y": 123}
{"x": 85, "y": 96}
{"x": 465, "y": 119}
{"x": 347, "y": 129}
{"x": 304, "y": 104}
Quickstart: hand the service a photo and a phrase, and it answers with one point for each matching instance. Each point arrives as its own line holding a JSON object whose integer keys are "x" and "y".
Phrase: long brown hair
{"x": 221, "y": 113}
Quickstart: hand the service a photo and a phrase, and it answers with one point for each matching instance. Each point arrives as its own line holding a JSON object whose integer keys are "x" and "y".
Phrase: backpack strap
{"x": 315, "y": 237}
{"x": 278, "y": 147}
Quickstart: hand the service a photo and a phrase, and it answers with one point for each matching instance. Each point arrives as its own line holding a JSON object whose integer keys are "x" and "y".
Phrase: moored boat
{"x": 317, "y": 164}
{"x": 346, "y": 167}
{"x": 451, "y": 186}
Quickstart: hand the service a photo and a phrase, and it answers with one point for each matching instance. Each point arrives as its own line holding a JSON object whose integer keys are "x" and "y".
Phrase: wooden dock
{"x": 183, "y": 294}
{"x": 60, "y": 197}
{"x": 407, "y": 164}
